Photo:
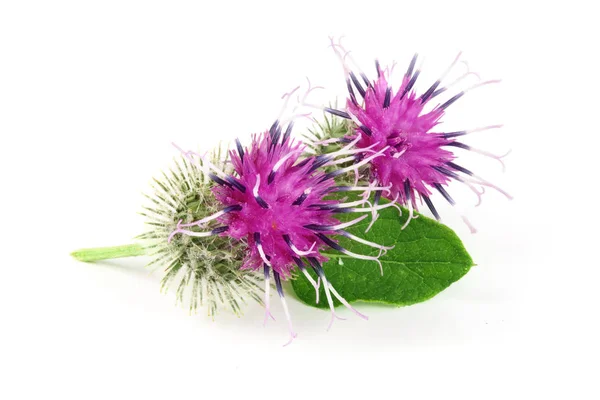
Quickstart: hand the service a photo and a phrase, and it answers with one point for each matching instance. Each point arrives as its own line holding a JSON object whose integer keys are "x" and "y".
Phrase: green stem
{"x": 105, "y": 253}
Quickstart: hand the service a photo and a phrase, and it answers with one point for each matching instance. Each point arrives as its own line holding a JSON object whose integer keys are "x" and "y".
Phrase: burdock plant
{"x": 226, "y": 227}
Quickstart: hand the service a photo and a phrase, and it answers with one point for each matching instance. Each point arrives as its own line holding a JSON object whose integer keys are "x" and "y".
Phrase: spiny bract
{"x": 205, "y": 271}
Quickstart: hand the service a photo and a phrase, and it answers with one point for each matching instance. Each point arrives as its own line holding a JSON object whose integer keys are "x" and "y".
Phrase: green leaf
{"x": 427, "y": 258}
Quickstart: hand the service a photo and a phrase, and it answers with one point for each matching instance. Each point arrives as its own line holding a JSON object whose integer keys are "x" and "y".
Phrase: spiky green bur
{"x": 331, "y": 127}
{"x": 203, "y": 271}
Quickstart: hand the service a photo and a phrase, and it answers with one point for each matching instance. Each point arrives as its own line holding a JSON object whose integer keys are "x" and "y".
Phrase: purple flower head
{"x": 281, "y": 201}
{"x": 275, "y": 201}
{"x": 418, "y": 159}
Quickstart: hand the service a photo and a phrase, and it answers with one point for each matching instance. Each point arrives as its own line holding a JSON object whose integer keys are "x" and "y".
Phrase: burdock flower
{"x": 276, "y": 201}
{"x": 400, "y": 125}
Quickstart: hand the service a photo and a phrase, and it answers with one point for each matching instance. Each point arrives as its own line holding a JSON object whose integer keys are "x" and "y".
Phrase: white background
{"x": 93, "y": 93}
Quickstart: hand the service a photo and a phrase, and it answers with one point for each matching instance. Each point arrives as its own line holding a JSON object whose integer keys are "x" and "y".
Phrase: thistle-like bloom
{"x": 415, "y": 157}
{"x": 275, "y": 201}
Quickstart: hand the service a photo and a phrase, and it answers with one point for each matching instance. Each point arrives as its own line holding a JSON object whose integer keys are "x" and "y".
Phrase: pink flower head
{"x": 274, "y": 199}
{"x": 279, "y": 200}
{"x": 418, "y": 158}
